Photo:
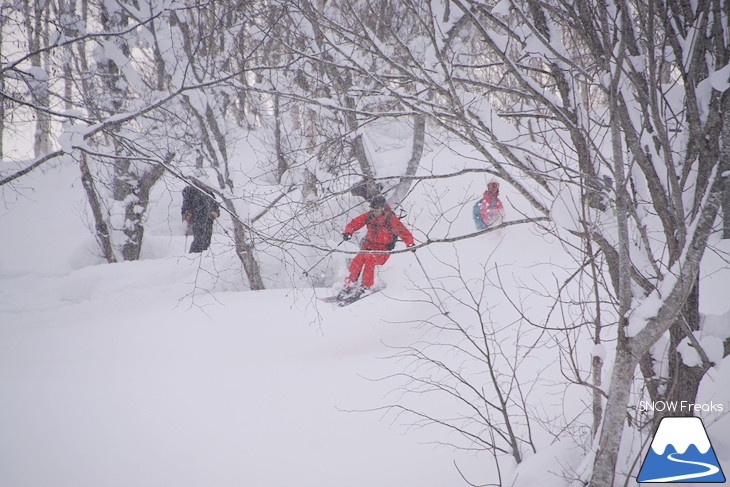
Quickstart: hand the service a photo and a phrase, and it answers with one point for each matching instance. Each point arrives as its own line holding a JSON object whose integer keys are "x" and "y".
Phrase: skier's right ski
{"x": 329, "y": 299}
{"x": 348, "y": 300}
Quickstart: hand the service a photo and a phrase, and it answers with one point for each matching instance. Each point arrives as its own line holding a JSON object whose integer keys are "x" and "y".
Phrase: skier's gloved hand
{"x": 346, "y": 236}
{"x": 412, "y": 247}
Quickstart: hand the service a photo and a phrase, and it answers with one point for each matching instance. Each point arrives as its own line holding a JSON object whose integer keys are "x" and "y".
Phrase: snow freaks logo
{"x": 682, "y": 407}
{"x": 681, "y": 451}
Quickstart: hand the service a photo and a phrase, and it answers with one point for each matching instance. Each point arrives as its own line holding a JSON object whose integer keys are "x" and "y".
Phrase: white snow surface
{"x": 147, "y": 374}
{"x": 164, "y": 371}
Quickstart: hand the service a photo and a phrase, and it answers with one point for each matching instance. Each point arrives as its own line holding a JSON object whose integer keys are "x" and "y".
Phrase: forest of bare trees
{"x": 611, "y": 118}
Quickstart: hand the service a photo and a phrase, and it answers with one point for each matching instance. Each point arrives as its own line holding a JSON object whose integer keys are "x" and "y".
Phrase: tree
{"x": 578, "y": 108}
{"x": 37, "y": 77}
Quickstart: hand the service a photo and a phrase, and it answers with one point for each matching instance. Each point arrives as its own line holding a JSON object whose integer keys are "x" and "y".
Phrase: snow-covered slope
{"x": 138, "y": 374}
{"x": 162, "y": 372}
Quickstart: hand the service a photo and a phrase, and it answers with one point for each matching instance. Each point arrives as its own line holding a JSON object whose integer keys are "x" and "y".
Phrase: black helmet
{"x": 377, "y": 202}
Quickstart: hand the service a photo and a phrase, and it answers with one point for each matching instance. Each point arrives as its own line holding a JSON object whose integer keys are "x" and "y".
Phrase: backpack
{"x": 393, "y": 236}
{"x": 477, "y": 212}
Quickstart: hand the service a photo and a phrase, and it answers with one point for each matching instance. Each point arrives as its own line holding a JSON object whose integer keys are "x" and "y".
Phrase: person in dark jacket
{"x": 199, "y": 209}
{"x": 383, "y": 229}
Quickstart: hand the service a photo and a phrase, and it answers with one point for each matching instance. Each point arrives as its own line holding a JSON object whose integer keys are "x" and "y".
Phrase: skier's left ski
{"x": 347, "y": 300}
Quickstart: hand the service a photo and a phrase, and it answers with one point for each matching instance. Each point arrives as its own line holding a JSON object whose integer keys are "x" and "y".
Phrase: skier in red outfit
{"x": 383, "y": 229}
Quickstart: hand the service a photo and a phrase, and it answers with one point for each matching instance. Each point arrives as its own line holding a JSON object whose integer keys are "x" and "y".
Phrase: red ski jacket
{"x": 381, "y": 230}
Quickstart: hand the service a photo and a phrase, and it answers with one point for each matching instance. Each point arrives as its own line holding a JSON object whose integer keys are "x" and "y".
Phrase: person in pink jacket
{"x": 383, "y": 230}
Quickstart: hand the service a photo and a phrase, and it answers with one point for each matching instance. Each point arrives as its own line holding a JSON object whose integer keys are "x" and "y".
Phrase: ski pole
{"x": 306, "y": 273}
{"x": 187, "y": 230}
{"x": 441, "y": 304}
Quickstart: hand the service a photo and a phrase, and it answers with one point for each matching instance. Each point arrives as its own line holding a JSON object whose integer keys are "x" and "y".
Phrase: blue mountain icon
{"x": 681, "y": 452}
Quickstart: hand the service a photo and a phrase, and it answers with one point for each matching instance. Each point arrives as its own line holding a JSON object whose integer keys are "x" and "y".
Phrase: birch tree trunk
{"x": 37, "y": 33}
{"x": 101, "y": 228}
{"x": 245, "y": 251}
{"x": 132, "y": 181}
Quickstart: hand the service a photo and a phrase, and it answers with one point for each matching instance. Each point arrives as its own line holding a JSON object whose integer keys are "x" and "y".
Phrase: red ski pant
{"x": 365, "y": 263}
